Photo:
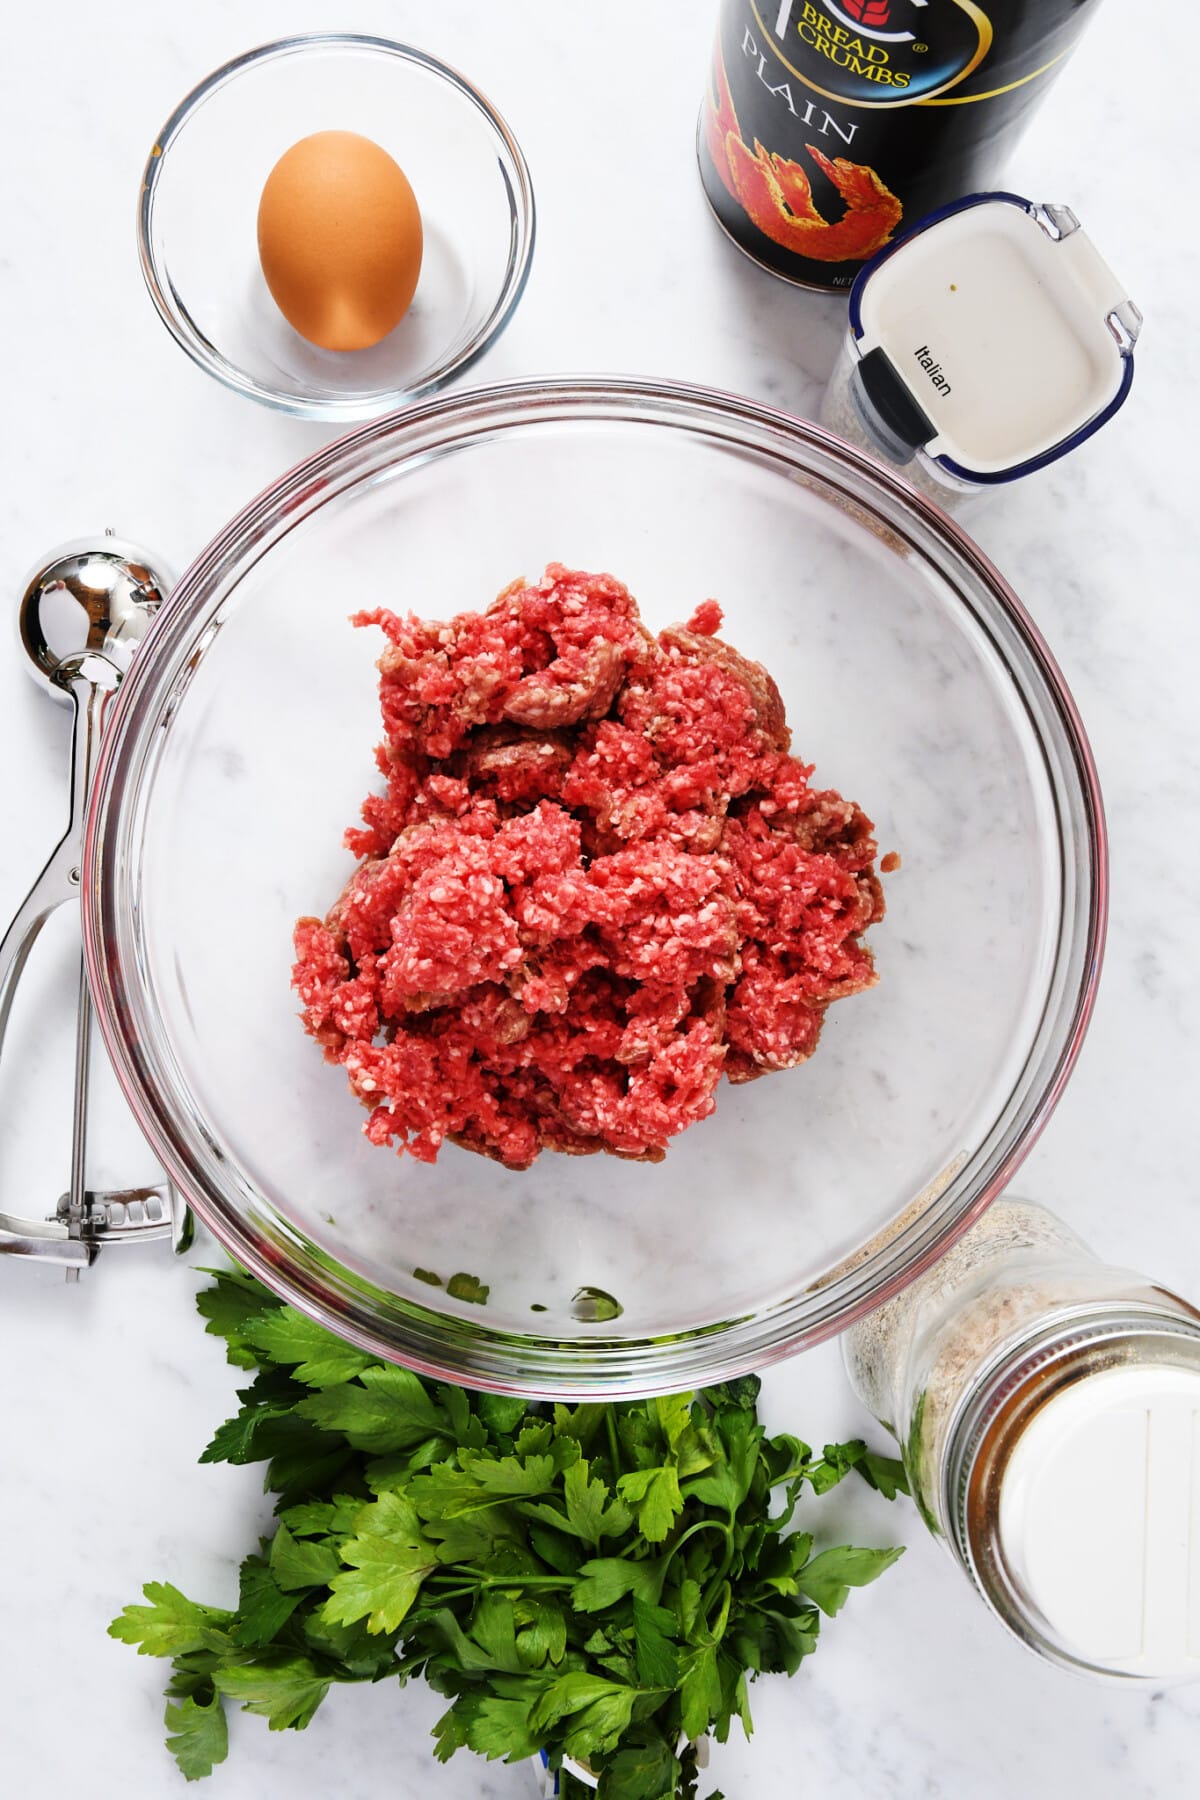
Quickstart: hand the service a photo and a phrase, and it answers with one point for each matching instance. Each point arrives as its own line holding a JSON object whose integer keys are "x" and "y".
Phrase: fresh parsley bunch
{"x": 598, "y": 1581}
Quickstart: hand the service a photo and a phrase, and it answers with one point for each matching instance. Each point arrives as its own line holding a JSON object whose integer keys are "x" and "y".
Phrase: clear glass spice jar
{"x": 1048, "y": 1411}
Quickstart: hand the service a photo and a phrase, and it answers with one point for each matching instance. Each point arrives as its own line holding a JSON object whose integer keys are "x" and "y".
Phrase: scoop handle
{"x": 59, "y": 880}
{"x": 68, "y": 1236}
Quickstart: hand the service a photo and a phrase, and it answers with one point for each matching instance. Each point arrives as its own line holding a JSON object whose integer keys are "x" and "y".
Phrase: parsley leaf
{"x": 501, "y": 1413}
{"x": 300, "y": 1563}
{"x": 493, "y": 1627}
{"x": 583, "y": 1423}
{"x": 386, "y": 1408}
{"x": 673, "y": 1414}
{"x": 192, "y": 1673}
{"x": 544, "y": 1637}
{"x": 445, "y": 1633}
{"x": 491, "y": 1727}
{"x": 389, "y": 1559}
{"x": 197, "y": 1735}
{"x": 655, "y": 1493}
{"x": 362, "y": 1655}
{"x": 657, "y": 1658}
{"x": 240, "y": 1438}
{"x": 171, "y": 1625}
{"x": 284, "y": 1687}
{"x": 448, "y": 1494}
{"x": 263, "y": 1608}
{"x": 886, "y": 1474}
{"x": 228, "y": 1306}
{"x": 322, "y": 1518}
{"x": 302, "y": 1460}
{"x": 572, "y": 1693}
{"x": 699, "y": 1691}
{"x": 828, "y": 1578}
{"x": 511, "y": 1475}
{"x": 557, "y": 1552}
{"x": 607, "y": 1579}
{"x": 590, "y": 1513}
{"x": 645, "y": 1768}
{"x": 321, "y": 1360}
{"x": 727, "y": 1484}
{"x": 598, "y": 1727}
{"x": 269, "y": 1429}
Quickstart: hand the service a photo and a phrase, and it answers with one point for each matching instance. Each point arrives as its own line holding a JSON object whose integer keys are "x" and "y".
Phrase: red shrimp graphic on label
{"x": 777, "y": 194}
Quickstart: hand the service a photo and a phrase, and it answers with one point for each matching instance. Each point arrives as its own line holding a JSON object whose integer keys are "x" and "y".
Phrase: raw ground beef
{"x": 596, "y": 882}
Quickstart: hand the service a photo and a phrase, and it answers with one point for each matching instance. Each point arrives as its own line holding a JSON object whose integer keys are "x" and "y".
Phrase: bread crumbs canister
{"x": 1048, "y": 1411}
{"x": 830, "y": 124}
{"x": 986, "y": 342}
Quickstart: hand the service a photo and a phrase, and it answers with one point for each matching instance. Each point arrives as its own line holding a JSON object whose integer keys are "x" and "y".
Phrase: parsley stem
{"x": 714, "y": 1588}
{"x": 614, "y": 1448}
{"x": 700, "y": 1525}
{"x": 479, "y": 1579}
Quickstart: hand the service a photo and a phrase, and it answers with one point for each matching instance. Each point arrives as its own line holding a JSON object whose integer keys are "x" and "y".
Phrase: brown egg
{"x": 339, "y": 239}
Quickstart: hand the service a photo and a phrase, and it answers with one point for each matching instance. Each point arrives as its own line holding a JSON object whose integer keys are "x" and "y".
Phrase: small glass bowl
{"x": 197, "y": 235}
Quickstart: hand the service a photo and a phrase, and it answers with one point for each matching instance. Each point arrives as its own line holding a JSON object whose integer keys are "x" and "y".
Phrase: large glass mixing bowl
{"x": 241, "y": 747}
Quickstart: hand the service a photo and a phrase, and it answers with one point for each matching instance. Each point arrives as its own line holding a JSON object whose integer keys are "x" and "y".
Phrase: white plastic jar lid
{"x": 997, "y": 332}
{"x": 1099, "y": 1520}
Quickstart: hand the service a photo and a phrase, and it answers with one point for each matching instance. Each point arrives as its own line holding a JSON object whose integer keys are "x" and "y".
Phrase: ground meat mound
{"x": 596, "y": 882}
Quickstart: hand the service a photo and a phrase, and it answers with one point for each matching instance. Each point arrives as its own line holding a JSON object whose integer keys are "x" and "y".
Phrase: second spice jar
{"x": 1048, "y": 1410}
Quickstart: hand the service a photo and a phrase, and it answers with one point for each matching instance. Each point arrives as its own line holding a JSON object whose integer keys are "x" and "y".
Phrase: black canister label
{"x": 878, "y": 53}
{"x": 830, "y": 123}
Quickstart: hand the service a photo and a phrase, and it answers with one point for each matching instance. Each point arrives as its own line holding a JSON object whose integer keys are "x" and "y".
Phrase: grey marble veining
{"x": 110, "y": 1388}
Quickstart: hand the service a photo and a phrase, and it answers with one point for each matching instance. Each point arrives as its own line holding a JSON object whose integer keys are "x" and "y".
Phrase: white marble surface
{"x": 109, "y": 1390}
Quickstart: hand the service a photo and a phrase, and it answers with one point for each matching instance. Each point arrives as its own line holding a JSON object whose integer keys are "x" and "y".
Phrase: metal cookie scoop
{"x": 84, "y": 612}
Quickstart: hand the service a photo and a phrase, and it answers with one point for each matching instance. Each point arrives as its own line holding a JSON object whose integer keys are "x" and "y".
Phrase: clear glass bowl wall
{"x": 242, "y": 749}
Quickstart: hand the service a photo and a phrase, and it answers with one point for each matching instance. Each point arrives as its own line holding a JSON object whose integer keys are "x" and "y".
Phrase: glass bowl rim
{"x": 382, "y": 401}
{"x": 442, "y": 1345}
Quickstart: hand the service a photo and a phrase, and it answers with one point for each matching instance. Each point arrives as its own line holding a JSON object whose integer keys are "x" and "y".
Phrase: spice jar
{"x": 1048, "y": 1412}
{"x": 989, "y": 341}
